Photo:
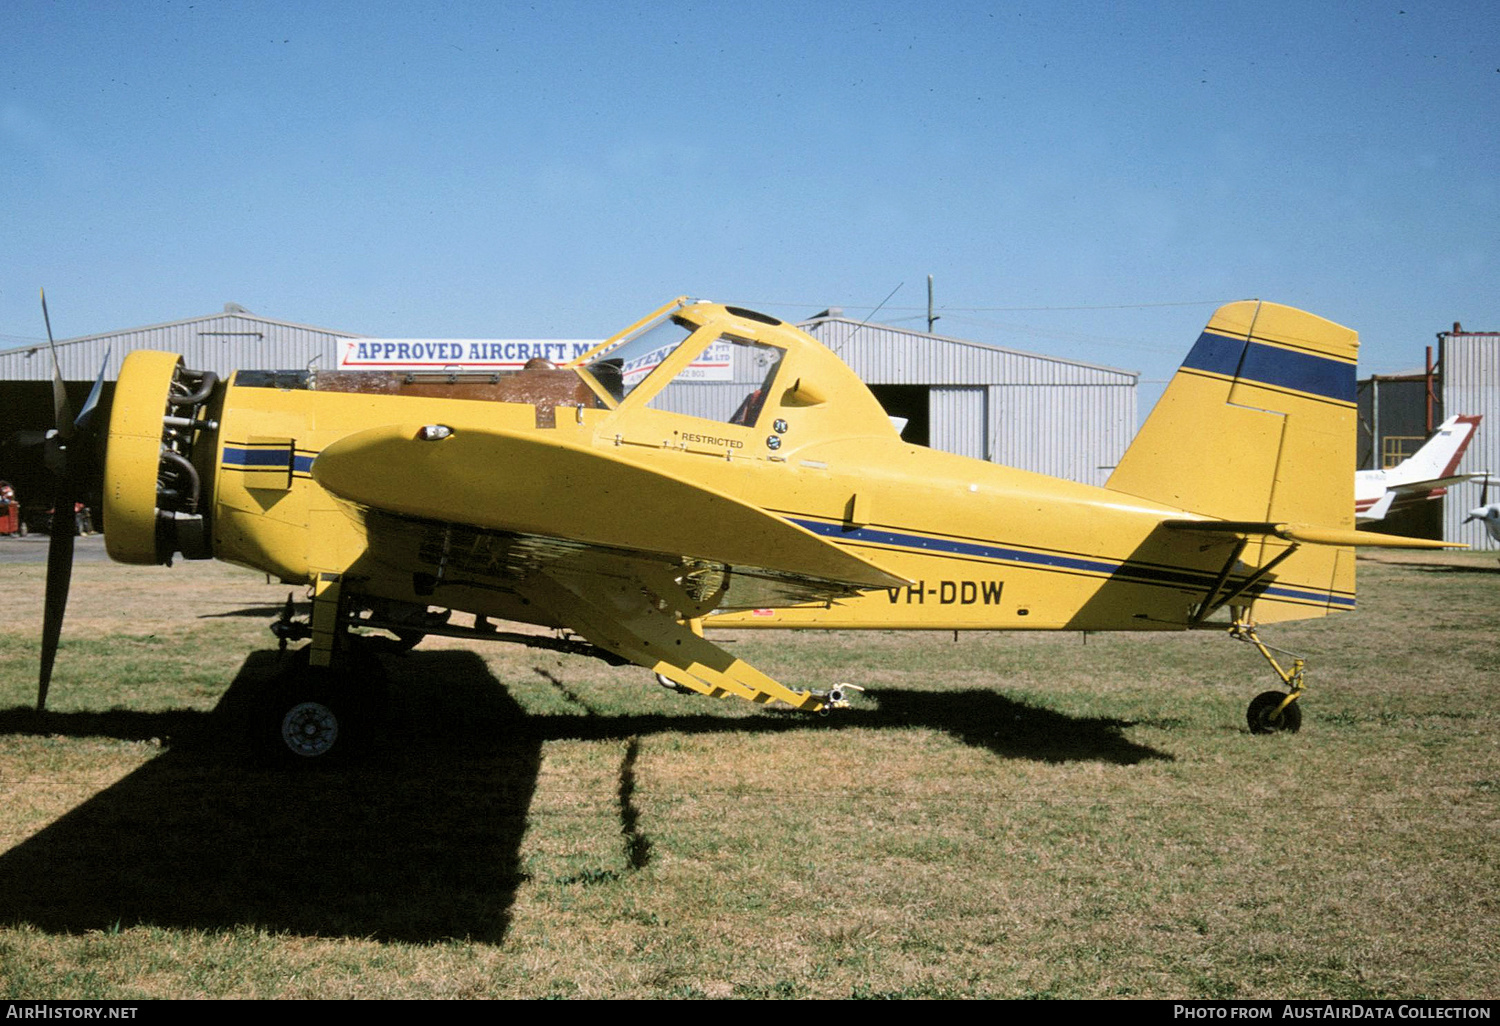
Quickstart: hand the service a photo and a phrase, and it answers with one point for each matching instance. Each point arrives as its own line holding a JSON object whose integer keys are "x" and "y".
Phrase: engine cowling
{"x": 154, "y": 492}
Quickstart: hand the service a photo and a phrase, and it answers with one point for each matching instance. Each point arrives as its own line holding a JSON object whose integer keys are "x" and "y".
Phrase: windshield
{"x": 728, "y": 382}
{"x": 626, "y": 364}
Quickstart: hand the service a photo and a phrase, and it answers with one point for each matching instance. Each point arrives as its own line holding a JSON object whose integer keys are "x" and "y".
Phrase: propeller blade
{"x": 70, "y": 455}
{"x": 86, "y": 415}
{"x": 59, "y": 575}
{"x": 62, "y": 413}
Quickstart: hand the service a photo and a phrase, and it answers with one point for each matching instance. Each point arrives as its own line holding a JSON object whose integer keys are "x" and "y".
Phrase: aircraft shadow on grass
{"x": 1452, "y": 568}
{"x": 417, "y": 840}
{"x": 257, "y": 612}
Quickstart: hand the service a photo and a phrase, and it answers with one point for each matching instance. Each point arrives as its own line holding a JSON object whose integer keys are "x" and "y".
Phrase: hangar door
{"x": 911, "y": 403}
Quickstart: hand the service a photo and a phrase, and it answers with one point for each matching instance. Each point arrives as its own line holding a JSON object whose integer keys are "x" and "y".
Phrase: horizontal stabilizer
{"x": 1310, "y": 534}
{"x": 1430, "y": 484}
{"x": 496, "y": 480}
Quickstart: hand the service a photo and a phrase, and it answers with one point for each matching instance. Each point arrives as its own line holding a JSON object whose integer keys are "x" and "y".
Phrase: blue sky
{"x": 556, "y": 169}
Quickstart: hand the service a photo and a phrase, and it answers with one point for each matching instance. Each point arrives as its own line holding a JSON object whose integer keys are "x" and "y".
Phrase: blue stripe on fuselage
{"x": 252, "y": 459}
{"x": 955, "y": 547}
{"x": 1256, "y": 362}
{"x": 1126, "y": 570}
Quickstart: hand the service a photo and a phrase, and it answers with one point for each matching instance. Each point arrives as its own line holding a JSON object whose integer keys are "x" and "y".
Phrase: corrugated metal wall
{"x": 219, "y": 343}
{"x": 711, "y": 400}
{"x": 1041, "y": 413}
{"x": 1471, "y": 384}
{"x": 958, "y": 420}
{"x": 1075, "y": 432}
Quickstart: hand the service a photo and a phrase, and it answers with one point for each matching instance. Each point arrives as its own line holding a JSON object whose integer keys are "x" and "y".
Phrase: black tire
{"x": 1262, "y": 718}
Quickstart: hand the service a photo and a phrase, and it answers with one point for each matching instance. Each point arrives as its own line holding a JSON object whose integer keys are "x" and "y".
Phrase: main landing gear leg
{"x": 327, "y": 624}
{"x": 1272, "y": 712}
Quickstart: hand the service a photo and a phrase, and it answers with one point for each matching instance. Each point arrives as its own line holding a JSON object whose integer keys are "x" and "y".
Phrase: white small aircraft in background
{"x": 1487, "y": 512}
{"x": 1426, "y": 474}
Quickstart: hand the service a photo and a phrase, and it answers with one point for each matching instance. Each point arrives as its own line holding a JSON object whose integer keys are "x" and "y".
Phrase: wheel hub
{"x": 310, "y": 729}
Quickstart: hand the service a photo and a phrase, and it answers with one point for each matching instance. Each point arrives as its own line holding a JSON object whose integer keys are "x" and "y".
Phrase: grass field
{"x": 1001, "y": 816}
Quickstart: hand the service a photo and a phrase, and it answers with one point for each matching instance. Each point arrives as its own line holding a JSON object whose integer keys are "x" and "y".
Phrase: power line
{"x": 1008, "y": 309}
{"x": 1106, "y": 306}
{"x": 1076, "y": 337}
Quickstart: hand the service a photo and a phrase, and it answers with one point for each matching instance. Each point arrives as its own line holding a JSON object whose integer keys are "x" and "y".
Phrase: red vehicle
{"x": 10, "y": 511}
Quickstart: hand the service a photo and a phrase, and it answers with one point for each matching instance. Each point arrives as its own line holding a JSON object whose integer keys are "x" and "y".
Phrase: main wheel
{"x": 313, "y": 715}
{"x": 1263, "y": 719}
{"x": 310, "y": 728}
{"x": 309, "y": 721}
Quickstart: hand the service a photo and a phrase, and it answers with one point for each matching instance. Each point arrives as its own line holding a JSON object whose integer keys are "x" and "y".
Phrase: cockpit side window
{"x": 728, "y": 382}
{"x": 622, "y": 367}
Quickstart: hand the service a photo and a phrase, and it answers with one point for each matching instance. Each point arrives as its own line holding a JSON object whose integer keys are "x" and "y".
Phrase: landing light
{"x": 434, "y": 432}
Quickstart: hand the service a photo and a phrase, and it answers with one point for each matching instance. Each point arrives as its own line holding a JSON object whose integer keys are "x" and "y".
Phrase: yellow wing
{"x": 542, "y": 502}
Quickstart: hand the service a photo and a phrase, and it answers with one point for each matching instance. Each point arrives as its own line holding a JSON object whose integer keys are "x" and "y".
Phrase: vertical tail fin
{"x": 1438, "y": 458}
{"x": 1257, "y": 424}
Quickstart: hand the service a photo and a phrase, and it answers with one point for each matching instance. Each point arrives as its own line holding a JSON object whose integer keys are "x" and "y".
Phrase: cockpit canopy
{"x": 729, "y": 365}
{"x": 679, "y": 357}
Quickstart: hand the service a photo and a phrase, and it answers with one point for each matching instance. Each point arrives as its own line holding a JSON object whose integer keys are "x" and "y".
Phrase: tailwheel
{"x": 1274, "y": 712}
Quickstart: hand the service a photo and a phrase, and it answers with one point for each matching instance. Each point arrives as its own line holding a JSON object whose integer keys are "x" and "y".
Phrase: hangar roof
{"x": 235, "y": 339}
{"x": 882, "y": 354}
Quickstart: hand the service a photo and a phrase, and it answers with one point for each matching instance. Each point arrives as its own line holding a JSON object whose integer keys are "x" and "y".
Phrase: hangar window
{"x": 728, "y": 382}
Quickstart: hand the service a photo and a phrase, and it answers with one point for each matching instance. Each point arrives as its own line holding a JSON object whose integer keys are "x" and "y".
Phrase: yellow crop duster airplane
{"x": 626, "y": 502}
